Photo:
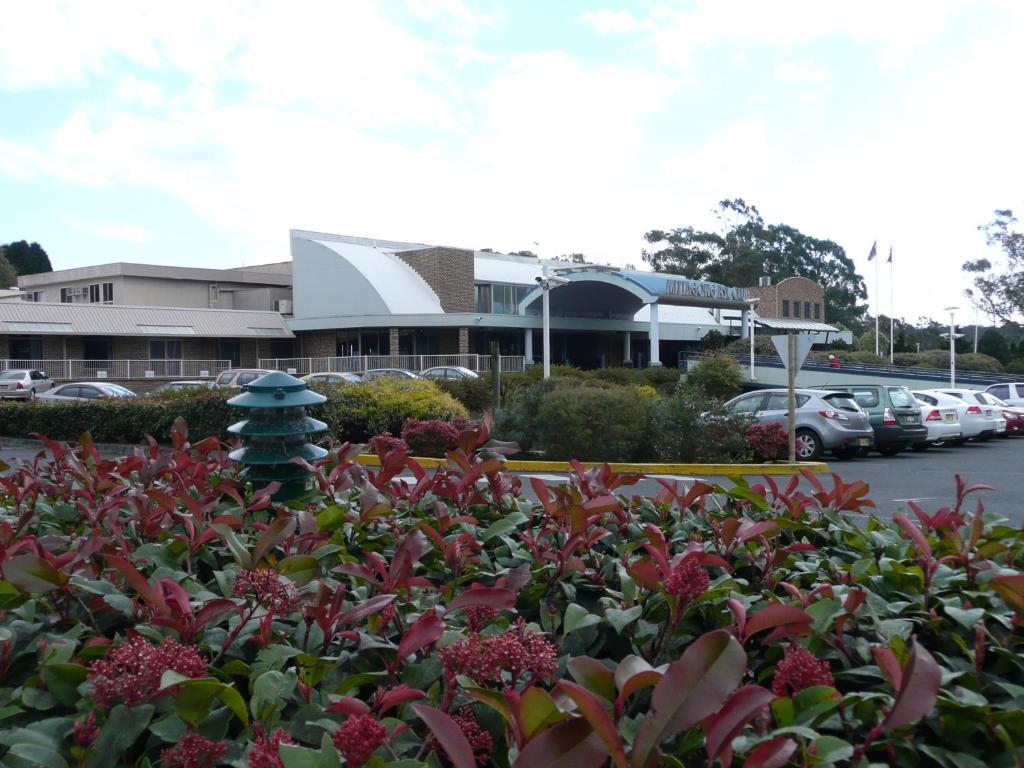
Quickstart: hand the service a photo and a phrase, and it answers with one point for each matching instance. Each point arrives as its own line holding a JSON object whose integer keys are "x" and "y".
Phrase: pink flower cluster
{"x": 800, "y": 669}
{"x": 267, "y": 588}
{"x": 487, "y": 658}
{"x": 688, "y": 579}
{"x": 479, "y": 616}
{"x": 479, "y": 740}
{"x": 193, "y": 751}
{"x": 266, "y": 749}
{"x": 131, "y": 672}
{"x": 86, "y": 731}
{"x": 358, "y": 738}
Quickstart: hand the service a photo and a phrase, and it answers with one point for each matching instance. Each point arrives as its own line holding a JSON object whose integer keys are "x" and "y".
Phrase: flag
{"x": 874, "y": 250}
{"x": 890, "y": 254}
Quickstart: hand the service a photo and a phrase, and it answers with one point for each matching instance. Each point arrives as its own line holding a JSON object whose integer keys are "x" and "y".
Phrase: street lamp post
{"x": 547, "y": 281}
{"x": 952, "y": 345}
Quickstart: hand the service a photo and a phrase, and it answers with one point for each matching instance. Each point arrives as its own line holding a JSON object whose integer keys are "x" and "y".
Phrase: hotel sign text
{"x": 702, "y": 290}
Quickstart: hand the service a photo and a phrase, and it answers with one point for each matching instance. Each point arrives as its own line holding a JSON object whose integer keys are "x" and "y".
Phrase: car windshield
{"x": 865, "y": 398}
{"x": 843, "y": 402}
{"x": 114, "y": 389}
{"x": 901, "y": 397}
{"x": 12, "y": 375}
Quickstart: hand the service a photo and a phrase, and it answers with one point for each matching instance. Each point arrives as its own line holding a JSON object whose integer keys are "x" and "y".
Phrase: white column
{"x": 627, "y": 350}
{"x": 546, "y": 318}
{"x": 528, "y": 345}
{"x": 744, "y": 323}
{"x": 655, "y": 337}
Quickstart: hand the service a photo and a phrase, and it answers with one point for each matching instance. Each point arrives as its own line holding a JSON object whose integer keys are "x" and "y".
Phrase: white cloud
{"x": 607, "y": 22}
{"x": 805, "y": 71}
{"x": 453, "y": 15}
{"x": 112, "y": 231}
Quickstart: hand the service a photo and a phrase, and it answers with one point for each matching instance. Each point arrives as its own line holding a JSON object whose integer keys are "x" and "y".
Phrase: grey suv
{"x": 825, "y": 421}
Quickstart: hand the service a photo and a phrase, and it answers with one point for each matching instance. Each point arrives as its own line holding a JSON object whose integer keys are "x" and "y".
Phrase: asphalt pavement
{"x": 927, "y": 477}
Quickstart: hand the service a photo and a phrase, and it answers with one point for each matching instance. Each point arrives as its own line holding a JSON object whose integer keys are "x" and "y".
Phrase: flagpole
{"x": 892, "y": 309}
{"x": 878, "y": 304}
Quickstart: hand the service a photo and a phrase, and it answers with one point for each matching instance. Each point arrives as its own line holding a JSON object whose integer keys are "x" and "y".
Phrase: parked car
{"x": 449, "y": 372}
{"x": 942, "y": 421}
{"x": 239, "y": 377}
{"x": 825, "y": 421}
{"x": 1011, "y": 394}
{"x": 86, "y": 390}
{"x": 24, "y": 384}
{"x": 389, "y": 373}
{"x": 974, "y": 423}
{"x": 332, "y": 377}
{"x": 980, "y": 399}
{"x": 895, "y": 414}
{"x": 1014, "y": 416}
{"x": 183, "y": 386}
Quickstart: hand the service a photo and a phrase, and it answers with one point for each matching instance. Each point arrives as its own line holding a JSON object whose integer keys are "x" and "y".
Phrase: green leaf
{"x": 124, "y": 725}
{"x": 830, "y": 749}
{"x": 537, "y": 710}
{"x": 195, "y": 697}
{"x": 35, "y": 755}
{"x": 301, "y": 569}
{"x": 578, "y": 617}
{"x": 270, "y": 692}
{"x": 968, "y": 619}
{"x": 30, "y": 573}
{"x": 621, "y": 619}
{"x": 692, "y": 688}
{"x": 330, "y": 518}
{"x": 237, "y": 549}
{"x": 62, "y": 680}
{"x": 501, "y": 526}
{"x": 294, "y": 756}
{"x": 279, "y": 530}
{"x": 10, "y": 597}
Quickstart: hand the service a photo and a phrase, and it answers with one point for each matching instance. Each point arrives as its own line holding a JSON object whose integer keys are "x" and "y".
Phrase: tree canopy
{"x": 8, "y": 274}
{"x": 999, "y": 289}
{"x": 744, "y": 247}
{"x": 27, "y": 258}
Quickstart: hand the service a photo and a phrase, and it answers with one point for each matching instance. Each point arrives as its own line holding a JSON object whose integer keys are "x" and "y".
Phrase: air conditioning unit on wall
{"x": 284, "y": 306}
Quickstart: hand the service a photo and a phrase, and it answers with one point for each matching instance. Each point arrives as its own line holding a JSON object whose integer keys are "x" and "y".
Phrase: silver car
{"x": 24, "y": 384}
{"x": 239, "y": 377}
{"x": 449, "y": 372}
{"x": 389, "y": 373}
{"x": 825, "y": 421}
{"x": 86, "y": 390}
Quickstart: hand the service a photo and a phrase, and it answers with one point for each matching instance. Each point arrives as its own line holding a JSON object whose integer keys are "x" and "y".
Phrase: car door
{"x": 87, "y": 392}
{"x": 776, "y": 408}
{"x": 70, "y": 392}
{"x": 747, "y": 406}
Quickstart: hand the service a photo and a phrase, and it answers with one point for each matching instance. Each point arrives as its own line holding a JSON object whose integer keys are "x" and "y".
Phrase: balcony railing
{"x": 74, "y": 370}
{"x": 300, "y": 366}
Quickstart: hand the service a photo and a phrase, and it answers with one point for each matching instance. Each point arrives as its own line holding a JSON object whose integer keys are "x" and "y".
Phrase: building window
{"x": 94, "y": 293}
{"x": 25, "y": 347}
{"x": 165, "y": 349}
{"x": 796, "y": 309}
{"x": 817, "y": 311}
{"x": 108, "y": 293}
{"x": 807, "y": 309}
{"x": 785, "y": 307}
{"x": 97, "y": 348}
{"x": 66, "y": 295}
{"x": 34, "y": 296}
{"x": 483, "y": 298}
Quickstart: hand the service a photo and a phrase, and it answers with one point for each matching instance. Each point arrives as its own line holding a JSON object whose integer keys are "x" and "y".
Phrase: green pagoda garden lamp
{"x": 276, "y": 431}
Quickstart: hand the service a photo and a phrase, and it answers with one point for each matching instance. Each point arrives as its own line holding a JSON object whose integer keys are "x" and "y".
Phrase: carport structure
{"x": 609, "y": 293}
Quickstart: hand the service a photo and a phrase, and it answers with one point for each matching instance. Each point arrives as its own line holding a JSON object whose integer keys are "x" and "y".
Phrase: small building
{"x": 798, "y": 298}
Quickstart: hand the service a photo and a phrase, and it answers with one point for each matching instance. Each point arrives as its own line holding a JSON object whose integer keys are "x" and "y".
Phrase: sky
{"x": 199, "y": 133}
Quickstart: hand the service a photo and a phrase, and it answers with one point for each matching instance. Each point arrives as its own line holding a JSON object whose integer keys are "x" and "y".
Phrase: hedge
{"x": 353, "y": 412}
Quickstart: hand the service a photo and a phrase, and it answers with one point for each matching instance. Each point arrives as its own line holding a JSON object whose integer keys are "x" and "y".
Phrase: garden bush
{"x": 434, "y": 437}
{"x": 353, "y": 412}
{"x": 691, "y": 426}
{"x": 1016, "y": 365}
{"x": 718, "y": 376}
{"x": 769, "y": 441}
{"x": 474, "y": 394}
{"x": 153, "y": 610}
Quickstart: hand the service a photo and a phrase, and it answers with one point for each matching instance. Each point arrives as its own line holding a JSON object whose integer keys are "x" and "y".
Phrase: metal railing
{"x": 73, "y": 370}
{"x": 926, "y": 374}
{"x": 301, "y": 366}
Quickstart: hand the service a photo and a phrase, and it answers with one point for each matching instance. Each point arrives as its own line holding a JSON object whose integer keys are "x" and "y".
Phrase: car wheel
{"x": 921, "y": 447}
{"x": 808, "y": 445}
{"x": 890, "y": 450}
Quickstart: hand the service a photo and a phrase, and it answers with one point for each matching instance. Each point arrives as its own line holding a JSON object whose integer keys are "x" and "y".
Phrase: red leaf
{"x": 138, "y": 582}
{"x": 490, "y": 597}
{"x": 348, "y": 705}
{"x": 915, "y": 534}
{"x": 31, "y": 573}
{"x": 593, "y": 675}
{"x": 399, "y": 695}
{"x": 1011, "y": 588}
{"x": 775, "y": 615}
{"x": 278, "y": 531}
{"x": 569, "y": 744}
{"x": 593, "y": 710}
{"x": 634, "y": 674}
{"x": 771, "y": 754}
{"x": 373, "y": 605}
{"x": 916, "y": 698}
{"x": 601, "y": 505}
{"x": 890, "y": 666}
{"x": 426, "y": 630}
{"x": 742, "y": 707}
{"x": 212, "y": 610}
{"x": 448, "y": 734}
{"x": 692, "y": 688}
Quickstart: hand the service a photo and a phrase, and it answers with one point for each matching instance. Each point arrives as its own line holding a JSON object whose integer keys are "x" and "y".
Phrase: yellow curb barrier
{"x": 817, "y": 467}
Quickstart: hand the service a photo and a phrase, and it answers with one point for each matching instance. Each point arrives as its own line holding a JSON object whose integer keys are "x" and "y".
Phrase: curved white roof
{"x": 372, "y": 280}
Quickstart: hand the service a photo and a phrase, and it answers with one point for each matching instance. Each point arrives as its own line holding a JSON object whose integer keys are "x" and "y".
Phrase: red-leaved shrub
{"x": 433, "y": 437}
{"x": 768, "y": 441}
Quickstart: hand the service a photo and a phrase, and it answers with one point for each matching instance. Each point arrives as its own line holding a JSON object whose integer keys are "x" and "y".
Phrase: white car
{"x": 24, "y": 384}
{"x": 86, "y": 390}
{"x": 449, "y": 372}
{"x": 975, "y": 423}
{"x": 941, "y": 419}
{"x": 1011, "y": 394}
{"x": 980, "y": 399}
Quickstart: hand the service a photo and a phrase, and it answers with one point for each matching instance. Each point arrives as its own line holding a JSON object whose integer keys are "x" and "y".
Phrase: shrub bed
{"x": 353, "y": 412}
{"x": 156, "y": 612}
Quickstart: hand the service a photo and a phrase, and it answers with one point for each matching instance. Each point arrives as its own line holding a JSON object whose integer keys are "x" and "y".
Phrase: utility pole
{"x": 791, "y": 382}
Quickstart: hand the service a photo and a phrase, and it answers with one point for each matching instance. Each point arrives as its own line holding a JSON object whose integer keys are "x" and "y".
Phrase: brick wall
{"x": 318, "y": 343}
{"x": 449, "y": 271}
{"x": 248, "y": 353}
{"x": 130, "y": 348}
{"x": 199, "y": 349}
{"x": 393, "y": 342}
{"x": 463, "y": 341}
{"x": 792, "y": 289}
